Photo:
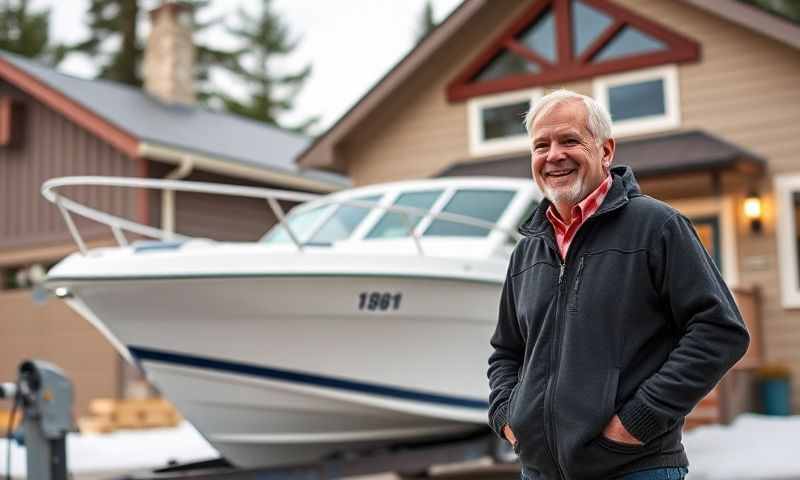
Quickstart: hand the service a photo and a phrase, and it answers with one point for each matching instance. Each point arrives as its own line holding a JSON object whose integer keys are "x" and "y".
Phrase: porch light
{"x": 753, "y": 212}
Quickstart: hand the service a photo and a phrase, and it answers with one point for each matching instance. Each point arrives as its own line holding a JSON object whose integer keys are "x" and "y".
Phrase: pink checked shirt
{"x": 580, "y": 212}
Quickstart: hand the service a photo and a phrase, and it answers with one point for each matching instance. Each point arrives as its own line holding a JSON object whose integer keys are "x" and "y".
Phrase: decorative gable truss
{"x": 556, "y": 41}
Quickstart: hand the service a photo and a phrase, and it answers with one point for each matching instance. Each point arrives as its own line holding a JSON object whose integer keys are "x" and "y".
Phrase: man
{"x": 614, "y": 322}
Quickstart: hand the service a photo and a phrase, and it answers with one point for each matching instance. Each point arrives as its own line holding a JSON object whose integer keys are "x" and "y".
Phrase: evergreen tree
{"x": 426, "y": 21}
{"x": 116, "y": 43}
{"x": 26, "y": 32}
{"x": 264, "y": 37}
{"x": 110, "y": 22}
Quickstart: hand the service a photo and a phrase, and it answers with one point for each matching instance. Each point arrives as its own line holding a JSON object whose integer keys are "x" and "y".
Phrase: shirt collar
{"x": 585, "y": 208}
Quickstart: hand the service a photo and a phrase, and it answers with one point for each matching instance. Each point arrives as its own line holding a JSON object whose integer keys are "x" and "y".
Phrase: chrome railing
{"x": 119, "y": 225}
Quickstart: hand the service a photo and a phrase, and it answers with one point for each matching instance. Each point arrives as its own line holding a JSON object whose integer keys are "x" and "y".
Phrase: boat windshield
{"x": 398, "y": 224}
{"x": 486, "y": 205}
{"x": 326, "y": 224}
{"x": 301, "y": 224}
{"x": 338, "y": 226}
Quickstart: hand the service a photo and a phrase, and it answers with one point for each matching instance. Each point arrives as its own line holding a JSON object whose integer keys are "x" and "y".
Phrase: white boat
{"x": 362, "y": 319}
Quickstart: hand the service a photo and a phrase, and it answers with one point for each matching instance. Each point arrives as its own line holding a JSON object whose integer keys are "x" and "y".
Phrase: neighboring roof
{"x": 675, "y": 153}
{"x": 749, "y": 16}
{"x": 320, "y": 153}
{"x": 190, "y": 129}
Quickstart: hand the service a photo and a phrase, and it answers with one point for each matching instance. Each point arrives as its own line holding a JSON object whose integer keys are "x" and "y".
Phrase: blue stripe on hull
{"x": 174, "y": 358}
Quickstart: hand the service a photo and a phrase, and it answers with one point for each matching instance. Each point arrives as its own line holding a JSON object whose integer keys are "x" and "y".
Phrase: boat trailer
{"x": 44, "y": 393}
{"x": 409, "y": 460}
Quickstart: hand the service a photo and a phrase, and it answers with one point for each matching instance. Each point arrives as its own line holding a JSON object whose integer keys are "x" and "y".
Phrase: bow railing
{"x": 119, "y": 225}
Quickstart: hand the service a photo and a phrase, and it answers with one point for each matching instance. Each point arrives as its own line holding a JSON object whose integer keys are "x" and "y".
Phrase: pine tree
{"x": 426, "y": 21}
{"x": 264, "y": 37}
{"x": 26, "y": 32}
{"x": 112, "y": 21}
{"x": 118, "y": 45}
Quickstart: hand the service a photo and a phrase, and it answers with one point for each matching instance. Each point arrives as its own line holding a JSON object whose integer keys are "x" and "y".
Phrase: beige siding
{"x": 51, "y": 331}
{"x": 418, "y": 133}
{"x": 743, "y": 90}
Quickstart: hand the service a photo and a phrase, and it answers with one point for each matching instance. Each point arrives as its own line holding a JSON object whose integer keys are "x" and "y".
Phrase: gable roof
{"x": 139, "y": 124}
{"x": 321, "y": 152}
{"x": 545, "y": 46}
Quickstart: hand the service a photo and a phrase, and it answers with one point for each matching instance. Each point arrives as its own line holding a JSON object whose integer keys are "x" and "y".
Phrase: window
{"x": 396, "y": 224}
{"x": 787, "y": 189}
{"x": 496, "y": 122}
{"x": 343, "y": 222}
{"x": 485, "y": 205}
{"x": 641, "y": 102}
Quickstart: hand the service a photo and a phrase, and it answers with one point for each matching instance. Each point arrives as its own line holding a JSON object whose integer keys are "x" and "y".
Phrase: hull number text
{"x": 379, "y": 301}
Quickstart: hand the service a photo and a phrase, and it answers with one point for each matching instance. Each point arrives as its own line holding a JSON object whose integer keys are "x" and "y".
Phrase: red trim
{"x": 530, "y": 55}
{"x": 499, "y": 43}
{"x": 679, "y": 49}
{"x": 563, "y": 16}
{"x": 56, "y": 100}
{"x": 601, "y": 41}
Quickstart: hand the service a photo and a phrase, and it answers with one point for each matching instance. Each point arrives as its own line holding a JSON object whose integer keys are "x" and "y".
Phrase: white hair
{"x": 598, "y": 120}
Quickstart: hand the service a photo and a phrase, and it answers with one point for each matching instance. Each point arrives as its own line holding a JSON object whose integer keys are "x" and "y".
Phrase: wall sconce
{"x": 753, "y": 211}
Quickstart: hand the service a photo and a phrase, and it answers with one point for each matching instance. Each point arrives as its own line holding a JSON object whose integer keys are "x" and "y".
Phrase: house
{"x": 706, "y": 106}
{"x": 54, "y": 125}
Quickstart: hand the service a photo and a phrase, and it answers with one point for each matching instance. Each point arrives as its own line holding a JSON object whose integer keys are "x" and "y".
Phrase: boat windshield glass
{"x": 343, "y": 222}
{"x": 397, "y": 224}
{"x": 300, "y": 223}
{"x": 486, "y": 205}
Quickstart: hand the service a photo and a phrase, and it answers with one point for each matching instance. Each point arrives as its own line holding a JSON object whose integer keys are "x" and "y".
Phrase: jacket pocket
{"x": 573, "y": 304}
{"x": 609, "y": 406}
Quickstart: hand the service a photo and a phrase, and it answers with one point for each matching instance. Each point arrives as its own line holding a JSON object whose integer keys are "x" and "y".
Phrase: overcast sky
{"x": 350, "y": 44}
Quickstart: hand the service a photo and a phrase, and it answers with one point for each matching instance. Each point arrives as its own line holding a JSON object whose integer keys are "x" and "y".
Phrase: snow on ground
{"x": 753, "y": 447}
{"x": 122, "y": 450}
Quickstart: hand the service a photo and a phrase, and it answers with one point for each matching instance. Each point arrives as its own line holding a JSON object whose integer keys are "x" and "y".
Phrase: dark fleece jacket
{"x": 636, "y": 322}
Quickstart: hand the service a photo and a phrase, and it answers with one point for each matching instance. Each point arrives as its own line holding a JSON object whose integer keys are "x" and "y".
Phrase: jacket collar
{"x": 623, "y": 188}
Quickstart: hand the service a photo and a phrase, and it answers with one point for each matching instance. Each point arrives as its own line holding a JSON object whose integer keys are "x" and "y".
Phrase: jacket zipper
{"x": 550, "y": 394}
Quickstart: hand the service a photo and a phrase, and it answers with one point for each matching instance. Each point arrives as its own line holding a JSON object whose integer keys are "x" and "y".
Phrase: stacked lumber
{"x": 107, "y": 415}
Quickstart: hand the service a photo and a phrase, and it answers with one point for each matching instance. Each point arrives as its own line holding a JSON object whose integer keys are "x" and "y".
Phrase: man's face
{"x": 566, "y": 161}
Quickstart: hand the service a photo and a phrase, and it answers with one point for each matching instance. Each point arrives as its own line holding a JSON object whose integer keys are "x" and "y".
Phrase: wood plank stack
{"x": 108, "y": 415}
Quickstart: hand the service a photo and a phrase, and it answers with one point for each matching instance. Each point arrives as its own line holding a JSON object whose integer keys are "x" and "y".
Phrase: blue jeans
{"x": 669, "y": 473}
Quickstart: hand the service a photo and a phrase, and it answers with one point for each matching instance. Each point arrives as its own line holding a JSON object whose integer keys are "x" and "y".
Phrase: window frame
{"x": 789, "y": 271}
{"x": 671, "y": 119}
{"x": 475, "y": 106}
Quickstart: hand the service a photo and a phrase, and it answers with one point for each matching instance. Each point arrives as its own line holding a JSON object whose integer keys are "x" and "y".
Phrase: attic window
{"x": 556, "y": 41}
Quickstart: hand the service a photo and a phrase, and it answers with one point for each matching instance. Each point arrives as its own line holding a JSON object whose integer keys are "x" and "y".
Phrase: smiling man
{"x": 614, "y": 322}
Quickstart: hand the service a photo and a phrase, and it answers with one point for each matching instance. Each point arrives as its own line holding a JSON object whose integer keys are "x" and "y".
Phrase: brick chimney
{"x": 169, "y": 54}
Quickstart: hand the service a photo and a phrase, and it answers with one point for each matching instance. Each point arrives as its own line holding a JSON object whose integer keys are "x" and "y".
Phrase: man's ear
{"x": 608, "y": 152}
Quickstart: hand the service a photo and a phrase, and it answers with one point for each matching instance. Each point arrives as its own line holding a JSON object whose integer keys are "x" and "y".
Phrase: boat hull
{"x": 282, "y": 369}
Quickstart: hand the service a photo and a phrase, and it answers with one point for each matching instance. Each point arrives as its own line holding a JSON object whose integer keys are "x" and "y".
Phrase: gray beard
{"x": 569, "y": 196}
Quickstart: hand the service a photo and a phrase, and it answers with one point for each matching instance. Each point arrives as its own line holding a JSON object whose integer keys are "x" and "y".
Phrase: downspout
{"x": 168, "y": 196}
